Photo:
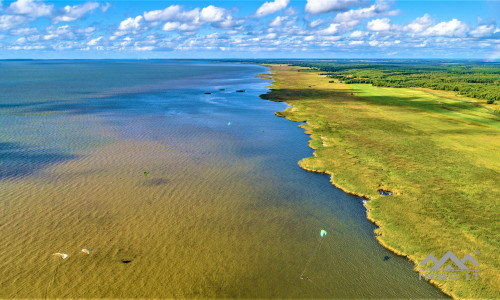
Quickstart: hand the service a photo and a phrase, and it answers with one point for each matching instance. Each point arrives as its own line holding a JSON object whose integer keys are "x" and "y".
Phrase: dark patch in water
{"x": 240, "y": 91}
{"x": 126, "y": 261}
{"x": 17, "y": 160}
{"x": 156, "y": 182}
{"x": 22, "y": 105}
{"x": 207, "y": 93}
{"x": 386, "y": 258}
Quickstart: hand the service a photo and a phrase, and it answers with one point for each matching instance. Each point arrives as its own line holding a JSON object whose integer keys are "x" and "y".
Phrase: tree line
{"x": 472, "y": 79}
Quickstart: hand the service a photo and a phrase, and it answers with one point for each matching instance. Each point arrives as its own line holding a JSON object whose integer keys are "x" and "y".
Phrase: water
{"x": 225, "y": 211}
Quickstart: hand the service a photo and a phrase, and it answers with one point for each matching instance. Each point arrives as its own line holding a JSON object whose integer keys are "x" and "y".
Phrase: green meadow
{"x": 437, "y": 152}
{"x": 479, "y": 80}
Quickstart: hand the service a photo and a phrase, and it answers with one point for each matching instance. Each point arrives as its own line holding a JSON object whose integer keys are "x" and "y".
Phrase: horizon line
{"x": 255, "y": 59}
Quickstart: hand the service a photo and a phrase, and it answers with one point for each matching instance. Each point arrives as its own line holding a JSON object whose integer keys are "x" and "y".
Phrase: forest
{"x": 472, "y": 79}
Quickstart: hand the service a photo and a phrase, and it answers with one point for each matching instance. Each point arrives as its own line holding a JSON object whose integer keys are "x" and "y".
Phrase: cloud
{"x": 358, "y": 34}
{"x": 453, "y": 28}
{"x": 278, "y": 21}
{"x": 131, "y": 24}
{"x": 137, "y": 47}
{"x": 105, "y": 7}
{"x": 316, "y": 23}
{"x": 56, "y": 38}
{"x": 24, "y": 31}
{"x": 169, "y": 26}
{"x": 271, "y": 36}
{"x": 188, "y": 27}
{"x": 212, "y": 14}
{"x": 56, "y": 32}
{"x": 379, "y": 25}
{"x": 73, "y": 13}
{"x": 31, "y": 8}
{"x": 419, "y": 24}
{"x": 190, "y": 20}
{"x": 215, "y": 28}
{"x": 483, "y": 31}
{"x": 330, "y": 30}
{"x": 325, "y": 6}
{"x": 94, "y": 42}
{"x": 26, "y": 47}
{"x": 8, "y": 22}
{"x": 354, "y": 17}
{"x": 228, "y": 23}
{"x": 290, "y": 11}
{"x": 271, "y": 7}
{"x": 166, "y": 14}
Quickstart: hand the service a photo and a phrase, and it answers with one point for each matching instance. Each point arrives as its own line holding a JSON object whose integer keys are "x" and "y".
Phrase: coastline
{"x": 316, "y": 139}
{"x": 378, "y": 223}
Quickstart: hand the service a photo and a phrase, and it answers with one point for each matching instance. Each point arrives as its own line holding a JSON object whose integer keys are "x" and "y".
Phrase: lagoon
{"x": 224, "y": 211}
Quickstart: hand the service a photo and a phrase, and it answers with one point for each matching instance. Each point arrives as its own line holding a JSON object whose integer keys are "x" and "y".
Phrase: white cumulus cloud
{"x": 31, "y": 8}
{"x": 483, "y": 31}
{"x": 358, "y": 34}
{"x": 8, "y": 22}
{"x": 73, "y": 13}
{"x": 169, "y": 26}
{"x": 453, "y": 28}
{"x": 324, "y": 6}
{"x": 190, "y": 20}
{"x": 354, "y": 17}
{"x": 95, "y": 41}
{"x": 330, "y": 30}
{"x": 271, "y": 7}
{"x": 212, "y": 14}
{"x": 162, "y": 15}
{"x": 278, "y": 21}
{"x": 419, "y": 24}
{"x": 131, "y": 23}
{"x": 379, "y": 25}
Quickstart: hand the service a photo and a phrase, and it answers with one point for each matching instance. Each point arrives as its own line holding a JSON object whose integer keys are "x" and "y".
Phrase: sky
{"x": 250, "y": 29}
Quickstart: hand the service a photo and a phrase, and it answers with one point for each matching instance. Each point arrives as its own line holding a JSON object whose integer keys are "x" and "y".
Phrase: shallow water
{"x": 225, "y": 211}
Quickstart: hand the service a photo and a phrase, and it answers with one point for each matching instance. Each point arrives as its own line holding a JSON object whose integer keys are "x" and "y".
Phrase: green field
{"x": 479, "y": 80}
{"x": 437, "y": 152}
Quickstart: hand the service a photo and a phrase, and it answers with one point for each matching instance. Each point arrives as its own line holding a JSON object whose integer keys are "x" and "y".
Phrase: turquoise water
{"x": 57, "y": 112}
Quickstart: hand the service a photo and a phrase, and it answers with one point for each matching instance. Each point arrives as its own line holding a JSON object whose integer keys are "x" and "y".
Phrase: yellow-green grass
{"x": 439, "y": 154}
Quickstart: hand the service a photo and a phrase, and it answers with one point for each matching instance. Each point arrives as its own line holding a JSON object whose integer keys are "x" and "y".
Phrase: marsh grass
{"x": 437, "y": 152}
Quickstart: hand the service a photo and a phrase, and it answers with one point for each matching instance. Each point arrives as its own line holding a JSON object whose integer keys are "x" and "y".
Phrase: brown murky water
{"x": 224, "y": 211}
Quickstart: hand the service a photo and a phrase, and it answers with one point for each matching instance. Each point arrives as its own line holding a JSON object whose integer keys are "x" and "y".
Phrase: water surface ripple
{"x": 225, "y": 211}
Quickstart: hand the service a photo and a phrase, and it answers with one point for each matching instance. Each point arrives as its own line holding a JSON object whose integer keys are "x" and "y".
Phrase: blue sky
{"x": 250, "y": 29}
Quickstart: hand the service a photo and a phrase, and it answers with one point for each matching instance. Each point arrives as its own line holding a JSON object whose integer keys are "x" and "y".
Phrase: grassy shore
{"x": 437, "y": 152}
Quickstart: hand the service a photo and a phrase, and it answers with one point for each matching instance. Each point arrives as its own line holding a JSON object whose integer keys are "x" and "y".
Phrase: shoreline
{"x": 369, "y": 217}
{"x": 284, "y": 91}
